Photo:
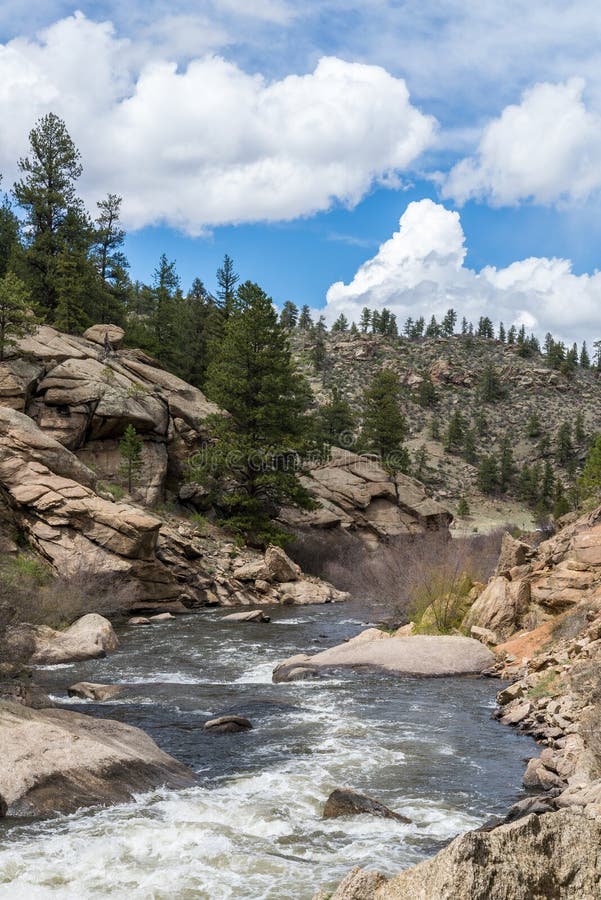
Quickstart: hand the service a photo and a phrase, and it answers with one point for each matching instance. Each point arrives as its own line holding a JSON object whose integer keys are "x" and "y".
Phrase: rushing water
{"x": 252, "y": 828}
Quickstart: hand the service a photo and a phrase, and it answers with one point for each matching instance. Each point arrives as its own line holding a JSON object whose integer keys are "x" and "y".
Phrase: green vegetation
{"x": 130, "y": 448}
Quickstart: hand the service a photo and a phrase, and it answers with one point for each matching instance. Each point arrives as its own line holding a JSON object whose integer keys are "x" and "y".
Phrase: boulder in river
{"x": 228, "y": 724}
{"x": 90, "y": 637}
{"x": 55, "y": 760}
{"x": 424, "y": 655}
{"x": 344, "y": 802}
{"x": 253, "y": 615}
{"x": 138, "y": 620}
{"x": 87, "y": 690}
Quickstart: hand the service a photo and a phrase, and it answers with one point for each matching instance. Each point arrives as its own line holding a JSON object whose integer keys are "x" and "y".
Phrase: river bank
{"x": 253, "y": 826}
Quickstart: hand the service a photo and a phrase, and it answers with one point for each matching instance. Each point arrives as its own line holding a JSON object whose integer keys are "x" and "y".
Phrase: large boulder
{"x": 279, "y": 566}
{"x": 513, "y": 553}
{"x": 109, "y": 336}
{"x": 500, "y": 607}
{"x": 55, "y": 761}
{"x": 554, "y": 855}
{"x": 424, "y": 655}
{"x": 88, "y": 690}
{"x": 90, "y": 637}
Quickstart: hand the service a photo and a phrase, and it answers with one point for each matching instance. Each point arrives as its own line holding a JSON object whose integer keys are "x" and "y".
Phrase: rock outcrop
{"x": 556, "y": 855}
{"x": 58, "y": 761}
{"x": 356, "y": 492}
{"x": 423, "y": 655}
{"x": 90, "y": 637}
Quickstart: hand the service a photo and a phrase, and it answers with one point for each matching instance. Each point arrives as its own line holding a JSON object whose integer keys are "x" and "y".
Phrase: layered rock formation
{"x": 357, "y": 493}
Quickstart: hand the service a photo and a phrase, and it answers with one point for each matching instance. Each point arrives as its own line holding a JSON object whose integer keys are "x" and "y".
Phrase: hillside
{"x": 456, "y": 367}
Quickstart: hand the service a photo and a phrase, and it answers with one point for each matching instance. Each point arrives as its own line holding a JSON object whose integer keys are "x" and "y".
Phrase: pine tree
{"x": 335, "y": 422}
{"x": 289, "y": 315}
{"x": 318, "y": 351}
{"x": 384, "y": 425}
{"x": 470, "y": 452}
{"x": 488, "y": 475}
{"x": 198, "y": 326}
{"x": 512, "y": 334}
{"x": 502, "y": 333}
{"x": 448, "y": 323}
{"x": 590, "y": 481}
{"x": 491, "y": 389}
{"x": 507, "y": 468}
{"x": 533, "y": 426}
{"x": 564, "y": 452}
{"x": 46, "y": 192}
{"x": 561, "y": 505}
{"x": 252, "y": 376}
{"x": 365, "y": 320}
{"x": 227, "y": 279}
{"x": 455, "y": 432}
{"x": 130, "y": 448}
{"x": 341, "y": 324}
{"x": 16, "y": 318}
{"x": 10, "y": 238}
{"x": 110, "y": 261}
{"x": 426, "y": 393}
{"x": 435, "y": 428}
{"x": 167, "y": 298}
{"x": 305, "y": 322}
{"x": 585, "y": 360}
{"x": 580, "y": 435}
{"x": 463, "y": 509}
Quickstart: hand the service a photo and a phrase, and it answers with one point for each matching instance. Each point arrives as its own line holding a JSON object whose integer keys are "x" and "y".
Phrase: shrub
{"x": 406, "y": 569}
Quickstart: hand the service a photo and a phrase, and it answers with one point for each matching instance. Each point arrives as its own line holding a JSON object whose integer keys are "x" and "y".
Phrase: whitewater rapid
{"x": 252, "y": 828}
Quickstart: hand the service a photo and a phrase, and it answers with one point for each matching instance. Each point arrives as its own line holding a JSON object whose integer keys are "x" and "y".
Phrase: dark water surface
{"x": 252, "y": 828}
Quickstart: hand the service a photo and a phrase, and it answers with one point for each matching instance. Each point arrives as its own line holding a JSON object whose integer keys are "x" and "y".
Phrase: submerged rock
{"x": 253, "y": 615}
{"x": 344, "y": 802}
{"x": 228, "y": 724}
{"x": 57, "y": 761}
{"x": 87, "y": 690}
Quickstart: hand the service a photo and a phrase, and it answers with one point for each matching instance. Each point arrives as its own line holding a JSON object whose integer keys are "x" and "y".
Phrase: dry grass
{"x": 406, "y": 574}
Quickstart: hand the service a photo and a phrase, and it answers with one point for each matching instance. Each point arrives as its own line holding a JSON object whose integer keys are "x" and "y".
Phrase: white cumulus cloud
{"x": 545, "y": 149}
{"x": 421, "y": 271}
{"x": 208, "y": 144}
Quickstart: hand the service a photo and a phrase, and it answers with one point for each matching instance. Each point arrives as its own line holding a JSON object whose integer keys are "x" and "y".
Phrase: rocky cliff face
{"x": 356, "y": 493}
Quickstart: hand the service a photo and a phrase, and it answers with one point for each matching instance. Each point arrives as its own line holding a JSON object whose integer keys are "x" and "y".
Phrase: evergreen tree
{"x": 433, "y": 329}
{"x": 198, "y": 327}
{"x": 318, "y": 351}
{"x": 463, "y": 509}
{"x": 561, "y": 505}
{"x": 481, "y": 423}
{"x": 375, "y": 322}
{"x": 585, "y": 361}
{"x": 485, "y": 328}
{"x": 110, "y": 261}
{"x": 384, "y": 425}
{"x": 10, "y": 238}
{"x": 130, "y": 448}
{"x": 167, "y": 297}
{"x": 580, "y": 435}
{"x": 507, "y": 468}
{"x": 426, "y": 393}
{"x": 305, "y": 322}
{"x": 435, "y": 428}
{"x": 448, "y": 323}
{"x": 341, "y": 324}
{"x": 502, "y": 333}
{"x": 46, "y": 192}
{"x": 227, "y": 279}
{"x": 408, "y": 328}
{"x": 289, "y": 315}
{"x": 564, "y": 452}
{"x": 252, "y": 376}
{"x": 512, "y": 334}
{"x": 335, "y": 422}
{"x": 488, "y": 475}
{"x": 590, "y": 481}
{"x": 420, "y": 463}
{"x": 491, "y": 389}
{"x": 548, "y": 485}
{"x": 365, "y": 320}
{"x": 543, "y": 448}
{"x": 418, "y": 328}
{"x": 455, "y": 432}
{"x": 470, "y": 452}
{"x": 16, "y": 318}
{"x": 533, "y": 426}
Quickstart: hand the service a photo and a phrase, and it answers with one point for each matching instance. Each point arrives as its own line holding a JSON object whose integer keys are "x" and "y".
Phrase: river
{"x": 252, "y": 828}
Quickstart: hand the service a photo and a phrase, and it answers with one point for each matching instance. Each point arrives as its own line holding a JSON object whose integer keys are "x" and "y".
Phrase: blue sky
{"x": 432, "y": 150}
